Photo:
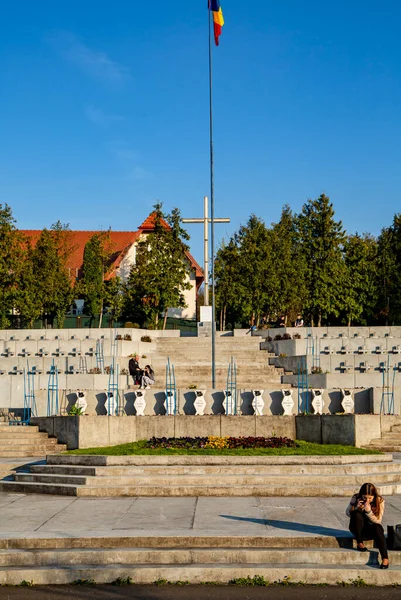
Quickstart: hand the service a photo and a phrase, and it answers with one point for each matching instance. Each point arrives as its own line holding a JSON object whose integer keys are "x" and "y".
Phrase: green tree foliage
{"x": 113, "y": 298}
{"x": 389, "y": 272}
{"x": 96, "y": 264}
{"x": 11, "y": 255}
{"x": 288, "y": 277}
{"x": 27, "y": 300}
{"x": 54, "y": 287}
{"x": 160, "y": 275}
{"x": 229, "y": 287}
{"x": 322, "y": 239}
{"x": 360, "y": 286}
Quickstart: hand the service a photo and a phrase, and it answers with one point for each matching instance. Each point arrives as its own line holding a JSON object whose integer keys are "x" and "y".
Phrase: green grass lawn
{"x": 302, "y": 448}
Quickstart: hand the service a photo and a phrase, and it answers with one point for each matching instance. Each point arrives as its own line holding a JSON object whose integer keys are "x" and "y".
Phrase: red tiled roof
{"x": 121, "y": 241}
{"x": 149, "y": 223}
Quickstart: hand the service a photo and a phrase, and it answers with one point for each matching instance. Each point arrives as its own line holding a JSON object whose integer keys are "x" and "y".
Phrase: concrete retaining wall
{"x": 350, "y": 430}
{"x": 89, "y": 432}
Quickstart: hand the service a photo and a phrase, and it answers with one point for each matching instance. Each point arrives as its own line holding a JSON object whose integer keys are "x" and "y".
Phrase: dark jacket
{"x": 134, "y": 368}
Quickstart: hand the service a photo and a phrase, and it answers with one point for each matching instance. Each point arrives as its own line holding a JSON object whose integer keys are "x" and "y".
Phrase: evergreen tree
{"x": 160, "y": 275}
{"x": 255, "y": 269}
{"x": 389, "y": 272}
{"x": 322, "y": 239}
{"x": 97, "y": 253}
{"x": 27, "y": 300}
{"x": 359, "y": 291}
{"x": 54, "y": 287}
{"x": 288, "y": 279}
{"x": 11, "y": 258}
{"x": 229, "y": 286}
{"x": 113, "y": 298}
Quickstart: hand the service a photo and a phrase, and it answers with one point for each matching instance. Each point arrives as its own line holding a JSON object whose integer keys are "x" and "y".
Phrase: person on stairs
{"x": 148, "y": 377}
{"x": 365, "y": 511}
{"x": 134, "y": 369}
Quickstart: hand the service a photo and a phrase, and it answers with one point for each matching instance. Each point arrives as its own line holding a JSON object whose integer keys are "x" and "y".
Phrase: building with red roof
{"x": 123, "y": 244}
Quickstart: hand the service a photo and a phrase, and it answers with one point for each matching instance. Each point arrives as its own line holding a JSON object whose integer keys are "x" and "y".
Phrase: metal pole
{"x": 212, "y": 198}
{"x": 206, "y": 249}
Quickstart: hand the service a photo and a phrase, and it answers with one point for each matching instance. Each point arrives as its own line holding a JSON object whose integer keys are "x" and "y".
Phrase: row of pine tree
{"x": 304, "y": 264}
{"x": 307, "y": 264}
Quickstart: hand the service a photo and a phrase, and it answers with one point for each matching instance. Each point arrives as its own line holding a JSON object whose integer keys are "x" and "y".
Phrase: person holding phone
{"x": 148, "y": 377}
{"x": 365, "y": 511}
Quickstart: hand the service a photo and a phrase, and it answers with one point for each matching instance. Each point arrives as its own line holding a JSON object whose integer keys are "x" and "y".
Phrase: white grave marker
{"x": 200, "y": 402}
{"x": 317, "y": 401}
{"x": 258, "y": 402}
{"x": 140, "y": 403}
{"x": 287, "y": 402}
{"x": 170, "y": 401}
{"x": 347, "y": 402}
{"x": 228, "y": 402}
{"x": 111, "y": 404}
{"x": 81, "y": 401}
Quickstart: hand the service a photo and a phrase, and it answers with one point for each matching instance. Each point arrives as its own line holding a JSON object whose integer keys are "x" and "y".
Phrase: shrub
{"x": 119, "y": 337}
{"x": 129, "y": 325}
{"x": 75, "y": 411}
{"x": 146, "y": 338}
{"x": 296, "y": 336}
{"x": 95, "y": 371}
{"x": 278, "y": 337}
{"x": 282, "y": 355}
{"x": 286, "y": 336}
{"x": 220, "y": 443}
{"x": 269, "y": 338}
{"x": 127, "y": 337}
{"x": 124, "y": 372}
{"x": 317, "y": 370}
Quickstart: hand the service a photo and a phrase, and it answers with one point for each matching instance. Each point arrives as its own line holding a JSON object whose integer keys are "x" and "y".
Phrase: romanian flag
{"x": 218, "y": 19}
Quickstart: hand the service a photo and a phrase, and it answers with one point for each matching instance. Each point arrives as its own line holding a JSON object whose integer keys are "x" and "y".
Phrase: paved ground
{"x": 45, "y": 515}
{"x": 196, "y": 593}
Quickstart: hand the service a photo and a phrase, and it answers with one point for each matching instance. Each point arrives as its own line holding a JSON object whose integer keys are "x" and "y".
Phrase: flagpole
{"x": 212, "y": 198}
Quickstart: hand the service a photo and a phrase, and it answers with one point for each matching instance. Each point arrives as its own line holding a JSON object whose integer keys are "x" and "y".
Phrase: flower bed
{"x": 216, "y": 442}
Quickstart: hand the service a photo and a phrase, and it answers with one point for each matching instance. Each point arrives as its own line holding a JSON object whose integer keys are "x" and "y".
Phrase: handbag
{"x": 394, "y": 537}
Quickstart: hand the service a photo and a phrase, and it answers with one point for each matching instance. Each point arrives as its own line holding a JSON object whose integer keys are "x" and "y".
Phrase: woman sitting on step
{"x": 366, "y": 512}
{"x": 148, "y": 377}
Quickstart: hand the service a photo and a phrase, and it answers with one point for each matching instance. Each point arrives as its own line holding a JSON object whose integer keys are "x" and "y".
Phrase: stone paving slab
{"x": 37, "y": 515}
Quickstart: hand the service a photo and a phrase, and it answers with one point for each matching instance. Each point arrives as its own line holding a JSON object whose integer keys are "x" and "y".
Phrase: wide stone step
{"x": 30, "y": 450}
{"x": 190, "y": 555}
{"x": 216, "y": 490}
{"x": 197, "y": 460}
{"x": 26, "y": 429}
{"x": 181, "y": 541}
{"x": 240, "y": 479}
{"x": 41, "y": 439}
{"x": 386, "y": 447}
{"x": 199, "y": 573}
{"x": 261, "y": 470}
{"x": 31, "y": 436}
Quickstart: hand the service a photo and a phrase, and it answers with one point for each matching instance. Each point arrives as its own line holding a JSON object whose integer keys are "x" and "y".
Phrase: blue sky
{"x": 104, "y": 110}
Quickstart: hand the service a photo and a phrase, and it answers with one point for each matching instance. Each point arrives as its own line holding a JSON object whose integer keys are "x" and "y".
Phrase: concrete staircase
{"x": 194, "y": 559}
{"x": 117, "y": 476}
{"x": 389, "y": 442}
{"x": 191, "y": 359}
{"x": 18, "y": 441}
